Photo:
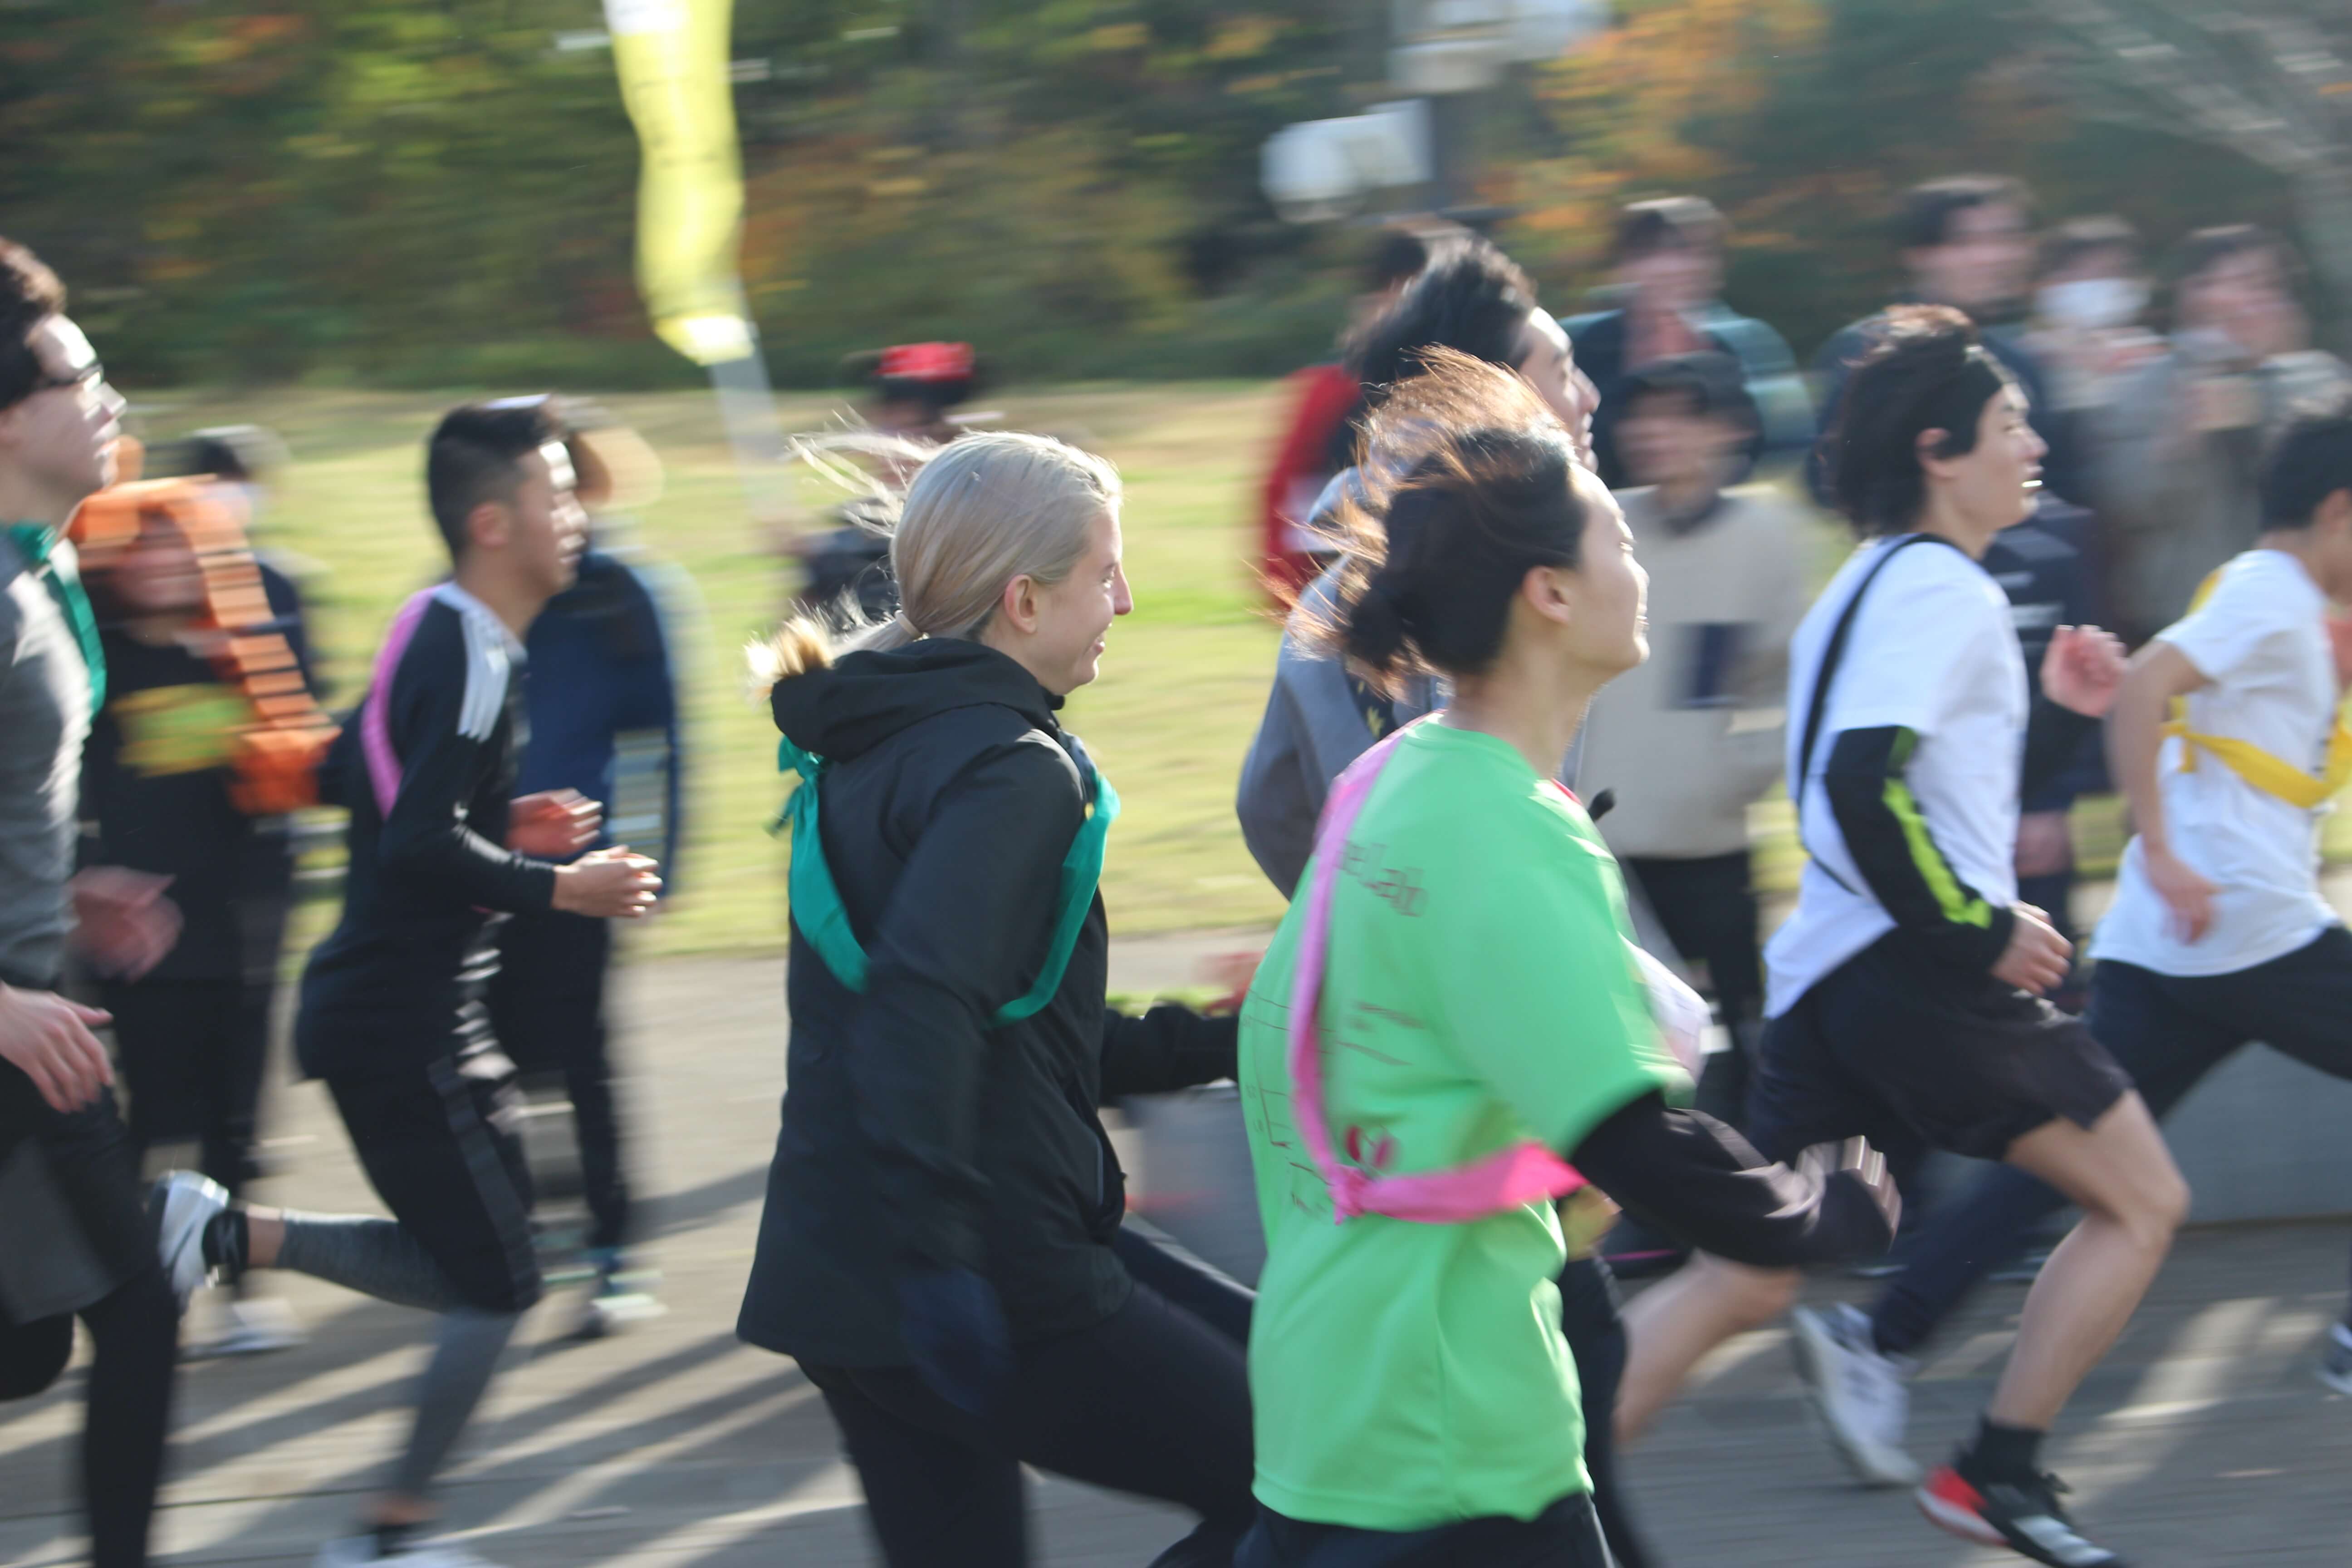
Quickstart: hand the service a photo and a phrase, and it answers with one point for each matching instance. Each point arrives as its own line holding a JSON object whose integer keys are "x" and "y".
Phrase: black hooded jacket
{"x": 919, "y": 1132}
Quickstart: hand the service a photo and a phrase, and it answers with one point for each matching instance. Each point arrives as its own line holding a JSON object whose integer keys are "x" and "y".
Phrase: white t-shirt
{"x": 2262, "y": 640}
{"x": 1933, "y": 651}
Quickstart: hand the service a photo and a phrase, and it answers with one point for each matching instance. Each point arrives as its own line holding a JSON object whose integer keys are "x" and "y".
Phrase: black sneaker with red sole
{"x": 2024, "y": 1516}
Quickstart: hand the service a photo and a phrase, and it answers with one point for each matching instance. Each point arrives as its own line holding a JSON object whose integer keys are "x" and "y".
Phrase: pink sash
{"x": 1509, "y": 1178}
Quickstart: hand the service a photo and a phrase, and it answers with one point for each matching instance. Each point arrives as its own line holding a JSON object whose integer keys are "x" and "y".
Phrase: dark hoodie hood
{"x": 851, "y": 707}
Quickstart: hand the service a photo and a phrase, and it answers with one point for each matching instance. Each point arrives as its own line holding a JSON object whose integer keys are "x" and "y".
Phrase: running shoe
{"x": 255, "y": 1327}
{"x": 183, "y": 1204}
{"x": 2336, "y": 1362}
{"x": 622, "y": 1296}
{"x": 1860, "y": 1393}
{"x": 2024, "y": 1516}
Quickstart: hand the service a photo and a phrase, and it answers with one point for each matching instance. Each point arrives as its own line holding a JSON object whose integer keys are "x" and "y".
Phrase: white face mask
{"x": 2094, "y": 301}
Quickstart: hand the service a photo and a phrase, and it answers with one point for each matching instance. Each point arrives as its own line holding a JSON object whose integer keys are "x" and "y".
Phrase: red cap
{"x": 927, "y": 361}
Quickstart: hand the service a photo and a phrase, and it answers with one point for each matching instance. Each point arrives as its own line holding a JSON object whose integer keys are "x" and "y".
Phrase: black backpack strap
{"x": 1832, "y": 657}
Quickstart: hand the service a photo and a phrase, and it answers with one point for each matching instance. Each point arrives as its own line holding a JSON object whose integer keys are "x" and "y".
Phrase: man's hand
{"x": 2083, "y": 669}
{"x": 122, "y": 923}
{"x": 611, "y": 884}
{"x": 49, "y": 1039}
{"x": 2188, "y": 896}
{"x": 554, "y": 824}
{"x": 2037, "y": 957}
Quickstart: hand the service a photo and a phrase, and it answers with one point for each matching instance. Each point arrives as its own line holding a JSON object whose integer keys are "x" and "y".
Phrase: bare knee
{"x": 1754, "y": 1296}
{"x": 2149, "y": 1208}
{"x": 2166, "y": 1198}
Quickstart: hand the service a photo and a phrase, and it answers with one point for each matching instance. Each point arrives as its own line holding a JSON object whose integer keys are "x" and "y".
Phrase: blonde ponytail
{"x": 977, "y": 512}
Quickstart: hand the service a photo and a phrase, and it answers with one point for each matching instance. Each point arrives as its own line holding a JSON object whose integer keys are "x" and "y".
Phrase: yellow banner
{"x": 672, "y": 56}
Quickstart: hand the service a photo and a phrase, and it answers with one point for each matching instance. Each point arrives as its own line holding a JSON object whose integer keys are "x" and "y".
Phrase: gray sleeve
{"x": 1311, "y": 731}
{"x": 2138, "y": 453}
{"x": 1275, "y": 796}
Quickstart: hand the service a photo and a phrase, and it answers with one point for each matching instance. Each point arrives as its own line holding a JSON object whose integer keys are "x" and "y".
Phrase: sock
{"x": 227, "y": 1243}
{"x": 2001, "y": 1453}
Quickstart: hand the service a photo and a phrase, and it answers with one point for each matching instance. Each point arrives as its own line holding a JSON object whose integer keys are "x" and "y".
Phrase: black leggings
{"x": 194, "y": 1052}
{"x": 1565, "y": 1535}
{"x": 1592, "y": 1319}
{"x": 1151, "y": 1401}
{"x": 547, "y": 1010}
{"x": 134, "y": 1334}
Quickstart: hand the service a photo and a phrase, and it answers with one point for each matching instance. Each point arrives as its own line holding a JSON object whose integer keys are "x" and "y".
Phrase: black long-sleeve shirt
{"x": 427, "y": 768}
{"x": 1696, "y": 1178}
{"x": 1896, "y": 851}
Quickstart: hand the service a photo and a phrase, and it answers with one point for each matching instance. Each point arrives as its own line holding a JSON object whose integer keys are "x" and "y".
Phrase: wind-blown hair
{"x": 977, "y": 513}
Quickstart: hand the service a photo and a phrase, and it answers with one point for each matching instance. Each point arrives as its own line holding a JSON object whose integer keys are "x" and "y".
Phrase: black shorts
{"x": 443, "y": 1147}
{"x": 1897, "y": 1047}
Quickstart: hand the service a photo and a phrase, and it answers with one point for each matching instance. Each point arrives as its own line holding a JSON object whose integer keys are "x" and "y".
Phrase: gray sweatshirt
{"x": 1688, "y": 739}
{"x": 44, "y": 718}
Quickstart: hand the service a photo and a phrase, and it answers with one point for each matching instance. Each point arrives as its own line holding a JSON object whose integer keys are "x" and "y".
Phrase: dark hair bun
{"x": 1376, "y": 632}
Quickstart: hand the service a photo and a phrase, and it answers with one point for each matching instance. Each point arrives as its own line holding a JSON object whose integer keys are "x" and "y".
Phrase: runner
{"x": 602, "y": 707}
{"x": 1415, "y": 1401}
{"x": 391, "y": 1016}
{"x": 2226, "y": 741}
{"x": 1477, "y": 300}
{"x": 1327, "y": 404}
{"x": 202, "y": 639}
{"x": 1320, "y": 716}
{"x": 76, "y": 1239}
{"x": 1903, "y": 993}
{"x": 937, "y": 1250}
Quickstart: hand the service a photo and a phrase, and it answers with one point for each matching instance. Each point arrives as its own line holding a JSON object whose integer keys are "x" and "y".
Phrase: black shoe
{"x": 2023, "y": 1516}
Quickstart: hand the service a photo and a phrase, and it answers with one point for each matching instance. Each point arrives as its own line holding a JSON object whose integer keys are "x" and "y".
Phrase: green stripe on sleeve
{"x": 1929, "y": 860}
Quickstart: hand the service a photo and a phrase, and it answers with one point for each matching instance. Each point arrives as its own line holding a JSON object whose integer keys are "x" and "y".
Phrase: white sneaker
{"x": 2336, "y": 1362}
{"x": 184, "y": 1202}
{"x": 1859, "y": 1393}
{"x": 610, "y": 1311}
{"x": 359, "y": 1551}
{"x": 256, "y": 1326}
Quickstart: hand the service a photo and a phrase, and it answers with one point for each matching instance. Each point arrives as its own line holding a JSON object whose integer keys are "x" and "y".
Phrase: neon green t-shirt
{"x": 1478, "y": 992}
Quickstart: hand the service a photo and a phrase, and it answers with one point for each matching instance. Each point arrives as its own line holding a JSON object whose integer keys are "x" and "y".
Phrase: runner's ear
{"x": 1547, "y": 595}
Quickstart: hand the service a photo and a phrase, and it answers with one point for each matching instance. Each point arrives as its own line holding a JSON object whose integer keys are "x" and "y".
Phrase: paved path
{"x": 2203, "y": 1441}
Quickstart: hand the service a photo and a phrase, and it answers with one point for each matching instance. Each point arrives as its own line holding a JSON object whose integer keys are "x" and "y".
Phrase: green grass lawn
{"x": 1179, "y": 697}
{"x": 1181, "y": 689}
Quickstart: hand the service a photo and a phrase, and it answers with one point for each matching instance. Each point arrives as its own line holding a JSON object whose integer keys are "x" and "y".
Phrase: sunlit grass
{"x": 1181, "y": 691}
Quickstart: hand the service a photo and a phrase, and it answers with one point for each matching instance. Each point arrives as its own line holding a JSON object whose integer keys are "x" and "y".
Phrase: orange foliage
{"x": 1623, "y": 100}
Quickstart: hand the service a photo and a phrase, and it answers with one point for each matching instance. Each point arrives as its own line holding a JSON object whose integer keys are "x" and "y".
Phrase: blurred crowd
{"x": 2156, "y": 390}
{"x": 2158, "y": 385}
